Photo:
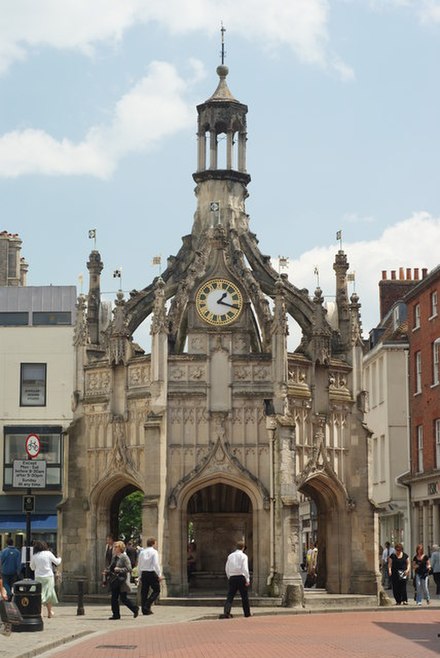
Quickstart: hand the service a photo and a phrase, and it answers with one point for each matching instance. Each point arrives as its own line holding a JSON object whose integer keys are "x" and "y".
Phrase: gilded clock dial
{"x": 219, "y": 302}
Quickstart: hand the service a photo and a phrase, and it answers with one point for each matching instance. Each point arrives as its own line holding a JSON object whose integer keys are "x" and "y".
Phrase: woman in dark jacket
{"x": 398, "y": 570}
{"x": 119, "y": 579}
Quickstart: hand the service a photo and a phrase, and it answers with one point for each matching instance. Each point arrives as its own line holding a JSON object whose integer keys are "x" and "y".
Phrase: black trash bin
{"x": 27, "y": 596}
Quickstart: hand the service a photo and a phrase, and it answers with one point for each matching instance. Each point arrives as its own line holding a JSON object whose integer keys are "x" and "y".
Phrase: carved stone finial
{"x": 159, "y": 320}
{"x": 119, "y": 334}
{"x": 80, "y": 331}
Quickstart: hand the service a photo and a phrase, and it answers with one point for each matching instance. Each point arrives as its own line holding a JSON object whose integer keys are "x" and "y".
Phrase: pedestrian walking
{"x": 42, "y": 563}
{"x": 435, "y": 567}
{"x": 398, "y": 570}
{"x": 118, "y": 578}
{"x": 237, "y": 571}
{"x": 150, "y": 575}
{"x": 387, "y": 551}
{"x": 10, "y": 559}
{"x": 421, "y": 566}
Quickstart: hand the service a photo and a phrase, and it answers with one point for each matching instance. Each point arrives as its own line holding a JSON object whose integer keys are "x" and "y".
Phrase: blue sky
{"x": 98, "y": 122}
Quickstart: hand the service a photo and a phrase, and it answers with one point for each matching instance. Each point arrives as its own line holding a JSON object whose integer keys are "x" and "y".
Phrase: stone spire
{"x": 340, "y": 267}
{"x": 95, "y": 266}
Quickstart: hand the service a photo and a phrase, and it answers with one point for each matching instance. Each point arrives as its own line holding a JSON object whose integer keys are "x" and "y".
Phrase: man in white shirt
{"x": 150, "y": 575}
{"x": 237, "y": 571}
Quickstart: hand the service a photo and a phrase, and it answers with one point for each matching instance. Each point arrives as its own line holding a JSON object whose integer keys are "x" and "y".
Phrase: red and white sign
{"x": 33, "y": 445}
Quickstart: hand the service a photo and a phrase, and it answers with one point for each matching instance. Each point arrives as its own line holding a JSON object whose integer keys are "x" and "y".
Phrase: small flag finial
{"x": 283, "y": 263}
{"x": 157, "y": 260}
{"x": 92, "y": 236}
{"x": 117, "y": 274}
{"x": 316, "y": 273}
{"x": 339, "y": 237}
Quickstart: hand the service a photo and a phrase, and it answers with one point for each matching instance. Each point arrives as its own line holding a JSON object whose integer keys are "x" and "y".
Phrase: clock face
{"x": 219, "y": 302}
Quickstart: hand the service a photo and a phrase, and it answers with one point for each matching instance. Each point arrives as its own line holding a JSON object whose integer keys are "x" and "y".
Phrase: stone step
{"x": 319, "y": 598}
{"x": 313, "y": 600}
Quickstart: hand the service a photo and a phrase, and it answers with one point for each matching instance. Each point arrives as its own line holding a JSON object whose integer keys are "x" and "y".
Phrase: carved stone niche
{"x": 97, "y": 382}
{"x": 338, "y": 389}
{"x": 139, "y": 375}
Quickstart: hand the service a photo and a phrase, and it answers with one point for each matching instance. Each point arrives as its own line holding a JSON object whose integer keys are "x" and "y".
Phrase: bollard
{"x": 27, "y": 596}
{"x": 80, "y": 607}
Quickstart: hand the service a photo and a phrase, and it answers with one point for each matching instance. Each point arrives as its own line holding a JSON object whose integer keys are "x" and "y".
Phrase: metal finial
{"x": 223, "y": 52}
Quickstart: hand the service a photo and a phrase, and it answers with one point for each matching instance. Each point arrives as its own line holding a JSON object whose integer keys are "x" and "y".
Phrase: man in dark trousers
{"x": 150, "y": 575}
{"x": 237, "y": 571}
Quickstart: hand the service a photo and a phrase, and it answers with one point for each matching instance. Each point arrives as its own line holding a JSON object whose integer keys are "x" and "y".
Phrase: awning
{"x": 17, "y": 522}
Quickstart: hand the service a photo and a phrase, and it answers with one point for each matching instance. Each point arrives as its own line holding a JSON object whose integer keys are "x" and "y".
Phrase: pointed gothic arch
{"x": 334, "y": 534}
{"x": 104, "y": 501}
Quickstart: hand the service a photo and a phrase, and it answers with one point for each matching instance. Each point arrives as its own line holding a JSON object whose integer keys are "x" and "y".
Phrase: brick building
{"x": 424, "y": 402}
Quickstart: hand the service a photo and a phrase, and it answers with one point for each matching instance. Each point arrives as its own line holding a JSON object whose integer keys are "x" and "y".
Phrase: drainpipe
{"x": 271, "y": 428}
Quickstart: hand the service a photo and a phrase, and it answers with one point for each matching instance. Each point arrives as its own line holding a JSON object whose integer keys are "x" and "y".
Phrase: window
{"x": 50, "y": 451}
{"x": 420, "y": 448}
{"x": 435, "y": 362}
{"x": 13, "y": 318}
{"x": 434, "y": 304}
{"x": 418, "y": 366}
{"x": 416, "y": 316}
{"x": 33, "y": 385}
{"x": 437, "y": 441}
{"x": 51, "y": 318}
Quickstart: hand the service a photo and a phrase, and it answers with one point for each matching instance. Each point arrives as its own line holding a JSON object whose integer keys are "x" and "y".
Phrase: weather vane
{"x": 223, "y": 52}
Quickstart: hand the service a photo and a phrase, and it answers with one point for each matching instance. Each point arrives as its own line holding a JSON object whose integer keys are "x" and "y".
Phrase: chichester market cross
{"x": 221, "y": 428}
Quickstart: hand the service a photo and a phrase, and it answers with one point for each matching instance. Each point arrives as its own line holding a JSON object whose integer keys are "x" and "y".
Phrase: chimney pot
{"x": 424, "y": 272}
{"x": 401, "y": 273}
{"x": 393, "y": 275}
{"x": 416, "y": 274}
{"x": 384, "y": 275}
{"x": 408, "y": 273}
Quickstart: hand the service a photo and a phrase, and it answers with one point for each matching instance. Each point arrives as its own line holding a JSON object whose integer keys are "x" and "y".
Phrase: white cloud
{"x": 80, "y": 25}
{"x": 154, "y": 108}
{"x": 407, "y": 244}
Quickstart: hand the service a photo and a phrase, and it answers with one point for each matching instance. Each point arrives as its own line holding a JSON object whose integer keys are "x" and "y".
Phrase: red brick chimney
{"x": 392, "y": 289}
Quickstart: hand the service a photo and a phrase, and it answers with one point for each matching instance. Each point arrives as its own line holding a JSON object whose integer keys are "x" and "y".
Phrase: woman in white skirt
{"x": 42, "y": 563}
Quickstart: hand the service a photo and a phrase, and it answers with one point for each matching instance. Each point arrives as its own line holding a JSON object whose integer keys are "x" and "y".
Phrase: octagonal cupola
{"x": 221, "y": 135}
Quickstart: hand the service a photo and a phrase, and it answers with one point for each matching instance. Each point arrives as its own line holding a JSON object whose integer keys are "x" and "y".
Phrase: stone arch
{"x": 104, "y": 500}
{"x": 226, "y": 527}
{"x": 334, "y": 530}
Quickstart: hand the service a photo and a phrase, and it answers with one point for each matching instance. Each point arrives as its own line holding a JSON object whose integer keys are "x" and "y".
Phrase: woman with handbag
{"x": 421, "y": 567}
{"x": 398, "y": 570}
{"x": 42, "y": 562}
{"x": 118, "y": 576}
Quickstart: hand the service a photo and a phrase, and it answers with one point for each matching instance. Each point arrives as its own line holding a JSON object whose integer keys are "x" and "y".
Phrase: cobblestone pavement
{"x": 183, "y": 632}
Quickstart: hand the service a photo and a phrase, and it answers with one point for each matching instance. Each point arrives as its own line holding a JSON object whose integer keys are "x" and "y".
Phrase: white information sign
{"x": 29, "y": 474}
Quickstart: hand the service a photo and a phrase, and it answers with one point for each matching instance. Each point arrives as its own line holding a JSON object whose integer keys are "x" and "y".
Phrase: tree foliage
{"x": 130, "y": 517}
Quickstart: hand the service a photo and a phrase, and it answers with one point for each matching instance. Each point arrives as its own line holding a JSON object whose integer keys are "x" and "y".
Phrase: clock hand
{"x": 221, "y": 298}
{"x": 227, "y": 304}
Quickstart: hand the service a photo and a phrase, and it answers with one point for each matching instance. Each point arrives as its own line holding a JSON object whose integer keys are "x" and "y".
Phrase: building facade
{"x": 36, "y": 375}
{"x": 220, "y": 426}
{"x": 386, "y": 380}
{"x": 424, "y": 396}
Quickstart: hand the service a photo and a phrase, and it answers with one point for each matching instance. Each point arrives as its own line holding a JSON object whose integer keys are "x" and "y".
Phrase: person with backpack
{"x": 10, "y": 559}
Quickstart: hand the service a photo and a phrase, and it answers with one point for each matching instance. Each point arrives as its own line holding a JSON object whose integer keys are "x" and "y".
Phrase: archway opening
{"x": 126, "y": 514}
{"x": 218, "y": 516}
{"x": 328, "y": 530}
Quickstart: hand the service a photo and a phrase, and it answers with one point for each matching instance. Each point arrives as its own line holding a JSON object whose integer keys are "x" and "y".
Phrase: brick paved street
{"x": 400, "y": 633}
